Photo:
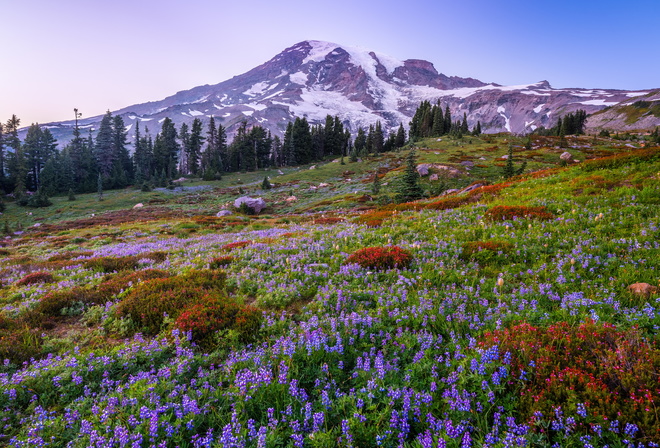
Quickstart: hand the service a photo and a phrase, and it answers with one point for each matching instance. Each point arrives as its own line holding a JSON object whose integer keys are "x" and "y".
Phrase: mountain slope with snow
{"x": 315, "y": 79}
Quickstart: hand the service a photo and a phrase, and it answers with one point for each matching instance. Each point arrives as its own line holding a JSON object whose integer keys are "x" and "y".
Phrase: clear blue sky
{"x": 100, "y": 55}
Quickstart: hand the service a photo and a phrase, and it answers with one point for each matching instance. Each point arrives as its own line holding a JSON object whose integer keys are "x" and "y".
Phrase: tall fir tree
{"x": 184, "y": 138}
{"x": 122, "y": 164}
{"x": 438, "y": 122}
{"x": 378, "y": 138}
{"x": 409, "y": 188}
{"x": 104, "y": 146}
{"x": 400, "y": 140}
{"x": 195, "y": 147}
{"x": 166, "y": 150}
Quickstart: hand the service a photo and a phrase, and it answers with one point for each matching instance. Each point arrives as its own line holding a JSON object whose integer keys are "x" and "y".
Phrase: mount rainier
{"x": 315, "y": 79}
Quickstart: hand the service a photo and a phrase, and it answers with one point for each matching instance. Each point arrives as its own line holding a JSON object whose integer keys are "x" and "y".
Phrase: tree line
{"x": 430, "y": 121}
{"x": 102, "y": 160}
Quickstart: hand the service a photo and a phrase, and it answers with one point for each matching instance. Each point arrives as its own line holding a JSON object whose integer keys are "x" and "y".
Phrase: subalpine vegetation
{"x": 515, "y": 311}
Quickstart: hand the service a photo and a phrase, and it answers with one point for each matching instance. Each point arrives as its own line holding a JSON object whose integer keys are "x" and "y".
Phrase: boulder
{"x": 423, "y": 169}
{"x": 566, "y": 156}
{"x": 222, "y": 213}
{"x": 138, "y": 205}
{"x": 256, "y": 204}
{"x": 642, "y": 289}
{"x": 433, "y": 177}
{"x": 467, "y": 163}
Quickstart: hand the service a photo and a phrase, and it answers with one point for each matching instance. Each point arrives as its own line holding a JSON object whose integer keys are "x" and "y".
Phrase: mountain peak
{"x": 315, "y": 78}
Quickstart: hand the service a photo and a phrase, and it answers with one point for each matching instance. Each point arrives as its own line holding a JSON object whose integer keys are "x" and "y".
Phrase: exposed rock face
{"x": 314, "y": 79}
{"x": 639, "y": 112}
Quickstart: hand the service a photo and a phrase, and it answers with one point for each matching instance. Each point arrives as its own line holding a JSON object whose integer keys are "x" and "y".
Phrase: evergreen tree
{"x": 104, "y": 147}
{"x": 39, "y": 146}
{"x": 438, "y": 122}
{"x": 370, "y": 139}
{"x": 184, "y": 137}
{"x": 302, "y": 138}
{"x": 166, "y": 149}
{"x": 215, "y": 155}
{"x": 360, "y": 144}
{"x": 289, "y": 146}
{"x": 375, "y": 186}
{"x": 378, "y": 138}
{"x": 409, "y": 188}
{"x": 265, "y": 185}
{"x": 509, "y": 170}
{"x": 195, "y": 147}
{"x": 122, "y": 164}
{"x": 11, "y": 161}
{"x": 139, "y": 162}
{"x": 400, "y": 140}
{"x": 477, "y": 129}
{"x": 448, "y": 122}
{"x": 464, "y": 124}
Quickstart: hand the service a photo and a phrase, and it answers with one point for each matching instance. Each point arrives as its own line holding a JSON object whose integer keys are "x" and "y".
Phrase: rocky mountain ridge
{"x": 315, "y": 79}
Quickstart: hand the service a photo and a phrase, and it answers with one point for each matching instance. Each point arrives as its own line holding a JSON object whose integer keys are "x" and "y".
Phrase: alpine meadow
{"x": 335, "y": 249}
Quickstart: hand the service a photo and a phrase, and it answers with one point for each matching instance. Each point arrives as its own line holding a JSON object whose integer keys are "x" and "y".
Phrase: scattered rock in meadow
{"x": 642, "y": 289}
{"x": 138, "y": 205}
{"x": 222, "y": 213}
{"x": 433, "y": 177}
{"x": 256, "y": 204}
{"x": 566, "y": 156}
{"x": 471, "y": 187}
{"x": 467, "y": 163}
{"x": 291, "y": 199}
{"x": 323, "y": 184}
{"x": 423, "y": 169}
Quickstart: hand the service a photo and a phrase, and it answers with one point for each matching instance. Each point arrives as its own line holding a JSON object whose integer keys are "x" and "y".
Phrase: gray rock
{"x": 423, "y": 169}
{"x": 256, "y": 204}
{"x": 566, "y": 156}
{"x": 222, "y": 213}
{"x": 467, "y": 163}
{"x": 433, "y": 177}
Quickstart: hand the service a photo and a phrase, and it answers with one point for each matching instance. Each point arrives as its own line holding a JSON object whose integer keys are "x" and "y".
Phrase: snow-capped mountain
{"x": 315, "y": 79}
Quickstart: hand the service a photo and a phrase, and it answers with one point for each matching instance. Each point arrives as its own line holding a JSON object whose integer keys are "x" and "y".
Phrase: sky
{"x": 105, "y": 55}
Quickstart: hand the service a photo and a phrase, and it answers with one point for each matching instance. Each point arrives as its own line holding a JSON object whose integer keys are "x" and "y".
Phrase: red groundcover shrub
{"x": 35, "y": 278}
{"x": 381, "y": 257}
{"x": 614, "y": 373}
{"x": 211, "y": 314}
